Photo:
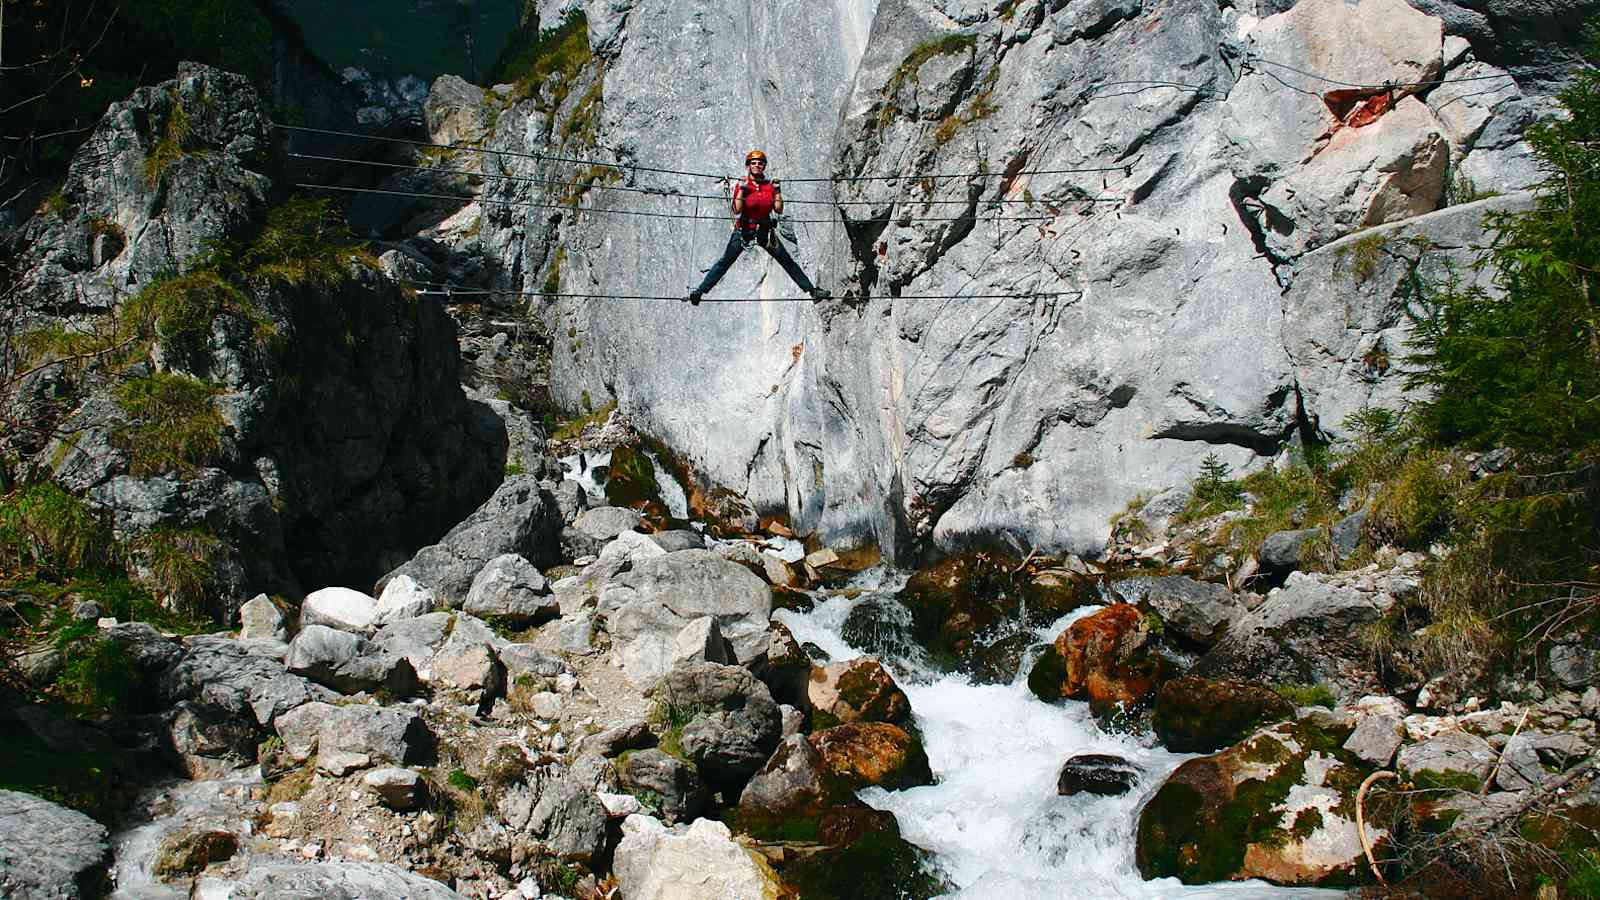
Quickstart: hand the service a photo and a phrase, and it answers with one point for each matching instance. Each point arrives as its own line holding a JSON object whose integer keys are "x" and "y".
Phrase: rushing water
{"x": 994, "y": 821}
{"x": 589, "y": 468}
{"x": 217, "y": 805}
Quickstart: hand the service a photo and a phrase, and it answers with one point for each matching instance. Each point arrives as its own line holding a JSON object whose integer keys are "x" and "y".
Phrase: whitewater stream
{"x": 994, "y": 822}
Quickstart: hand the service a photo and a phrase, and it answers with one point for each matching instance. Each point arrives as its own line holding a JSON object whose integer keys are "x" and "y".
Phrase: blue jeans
{"x": 770, "y": 243}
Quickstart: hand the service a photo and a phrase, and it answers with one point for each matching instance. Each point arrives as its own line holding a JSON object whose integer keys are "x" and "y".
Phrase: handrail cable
{"x": 445, "y": 289}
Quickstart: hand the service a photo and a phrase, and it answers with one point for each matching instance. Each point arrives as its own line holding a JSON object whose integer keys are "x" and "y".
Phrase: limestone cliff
{"x": 1146, "y": 209}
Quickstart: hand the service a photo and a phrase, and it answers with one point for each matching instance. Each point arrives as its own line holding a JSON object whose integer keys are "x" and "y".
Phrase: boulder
{"x": 1453, "y": 758}
{"x": 1198, "y": 715}
{"x": 396, "y": 736}
{"x": 1096, "y": 773}
{"x": 647, "y": 607}
{"x": 1375, "y": 739}
{"x": 49, "y": 852}
{"x": 700, "y": 641}
{"x": 403, "y": 598}
{"x": 521, "y": 659}
{"x": 784, "y": 668}
{"x": 399, "y": 789}
{"x": 794, "y": 784}
{"x": 1306, "y": 632}
{"x": 1284, "y": 551}
{"x": 1199, "y": 612}
{"x": 510, "y": 590}
{"x": 188, "y": 851}
{"x": 569, "y": 820}
{"x": 872, "y": 754}
{"x": 150, "y": 651}
{"x": 731, "y": 725}
{"x": 262, "y": 619}
{"x": 342, "y": 880}
{"x": 520, "y": 518}
{"x": 604, "y": 523}
{"x": 416, "y": 639}
{"x": 678, "y": 539}
{"x": 217, "y": 674}
{"x": 348, "y": 663}
{"x": 613, "y": 741}
{"x": 679, "y": 793}
{"x": 700, "y": 859}
{"x": 857, "y": 690}
{"x": 340, "y": 608}
{"x": 1108, "y": 658}
{"x": 1278, "y": 806}
{"x": 456, "y": 112}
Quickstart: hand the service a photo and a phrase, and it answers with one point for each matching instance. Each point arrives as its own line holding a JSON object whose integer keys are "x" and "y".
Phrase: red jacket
{"x": 759, "y": 197}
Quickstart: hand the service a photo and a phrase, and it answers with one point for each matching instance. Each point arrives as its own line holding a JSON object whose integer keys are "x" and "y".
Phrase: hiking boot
{"x": 820, "y": 293}
{"x": 694, "y": 297}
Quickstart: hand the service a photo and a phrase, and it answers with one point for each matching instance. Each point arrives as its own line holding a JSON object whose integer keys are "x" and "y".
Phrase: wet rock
{"x": 1277, "y": 806}
{"x": 998, "y": 661}
{"x": 646, "y": 608}
{"x": 399, "y": 789}
{"x": 683, "y": 795}
{"x": 510, "y": 590}
{"x": 206, "y": 742}
{"x": 342, "y": 880}
{"x": 733, "y": 724}
{"x": 520, "y": 518}
{"x": 188, "y": 852}
{"x": 1197, "y": 611}
{"x": 883, "y": 627}
{"x": 1096, "y": 773}
{"x": 955, "y": 602}
{"x": 403, "y": 598}
{"x": 262, "y": 619}
{"x": 1109, "y": 659}
{"x": 49, "y": 852}
{"x": 872, "y": 754}
{"x": 793, "y": 784}
{"x": 857, "y": 690}
{"x": 340, "y": 608}
{"x": 1198, "y": 715}
{"x": 700, "y": 859}
{"x": 348, "y": 663}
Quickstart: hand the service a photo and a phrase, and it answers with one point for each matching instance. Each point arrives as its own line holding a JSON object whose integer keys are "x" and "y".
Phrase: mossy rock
{"x": 632, "y": 483}
{"x": 876, "y": 866}
{"x": 1229, "y": 816}
{"x": 1198, "y": 715}
{"x": 1048, "y": 674}
{"x": 187, "y": 853}
{"x": 956, "y": 601}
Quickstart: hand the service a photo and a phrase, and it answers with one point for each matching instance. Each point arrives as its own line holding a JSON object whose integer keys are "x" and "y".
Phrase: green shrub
{"x": 180, "y": 311}
{"x": 170, "y": 147}
{"x": 305, "y": 241}
{"x": 44, "y": 526}
{"x": 174, "y": 425}
{"x": 100, "y": 675}
{"x": 461, "y": 781}
{"x": 1418, "y": 503}
{"x": 1306, "y": 694}
{"x": 545, "y": 64}
{"x": 177, "y": 563}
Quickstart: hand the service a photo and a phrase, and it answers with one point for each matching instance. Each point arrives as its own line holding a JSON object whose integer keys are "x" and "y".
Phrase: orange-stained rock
{"x": 873, "y": 753}
{"x": 1108, "y": 659}
{"x": 858, "y": 690}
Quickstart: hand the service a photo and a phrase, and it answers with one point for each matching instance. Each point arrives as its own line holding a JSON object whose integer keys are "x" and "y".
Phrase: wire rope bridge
{"x": 452, "y": 291}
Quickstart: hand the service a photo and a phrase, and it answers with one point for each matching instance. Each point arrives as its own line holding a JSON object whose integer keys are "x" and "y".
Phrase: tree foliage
{"x": 1519, "y": 366}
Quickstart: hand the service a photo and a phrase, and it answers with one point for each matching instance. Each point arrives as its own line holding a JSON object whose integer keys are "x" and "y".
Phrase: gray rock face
{"x": 520, "y": 518}
{"x": 1574, "y": 664}
{"x": 341, "y": 880}
{"x": 1198, "y": 611}
{"x": 1304, "y": 633}
{"x": 400, "y": 789}
{"x": 567, "y": 818}
{"x": 606, "y": 522}
{"x": 415, "y": 639}
{"x": 735, "y": 725}
{"x": 341, "y": 608}
{"x": 700, "y": 859}
{"x": 1284, "y": 551}
{"x": 1375, "y": 739}
{"x": 261, "y": 619}
{"x": 683, "y": 794}
{"x": 647, "y": 607}
{"x": 510, "y": 589}
{"x": 1076, "y": 365}
{"x": 49, "y": 852}
{"x": 360, "y": 417}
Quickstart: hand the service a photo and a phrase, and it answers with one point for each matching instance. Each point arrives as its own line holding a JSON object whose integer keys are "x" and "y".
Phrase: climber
{"x": 755, "y": 199}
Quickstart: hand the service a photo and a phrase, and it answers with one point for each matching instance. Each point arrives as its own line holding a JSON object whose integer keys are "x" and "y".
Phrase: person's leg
{"x": 775, "y": 247}
{"x": 719, "y": 268}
